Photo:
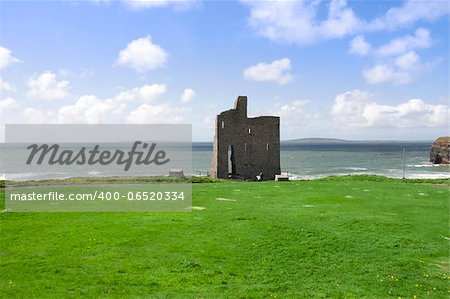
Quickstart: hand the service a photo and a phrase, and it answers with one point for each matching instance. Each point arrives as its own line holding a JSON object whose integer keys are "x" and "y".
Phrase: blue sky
{"x": 340, "y": 69}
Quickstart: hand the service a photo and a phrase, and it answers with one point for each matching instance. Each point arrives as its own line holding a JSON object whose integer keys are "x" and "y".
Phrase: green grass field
{"x": 340, "y": 237}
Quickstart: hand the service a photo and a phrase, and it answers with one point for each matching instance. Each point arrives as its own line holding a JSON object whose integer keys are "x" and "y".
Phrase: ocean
{"x": 316, "y": 160}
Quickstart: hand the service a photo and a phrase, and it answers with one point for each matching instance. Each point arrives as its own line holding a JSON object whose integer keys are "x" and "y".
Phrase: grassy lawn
{"x": 337, "y": 237}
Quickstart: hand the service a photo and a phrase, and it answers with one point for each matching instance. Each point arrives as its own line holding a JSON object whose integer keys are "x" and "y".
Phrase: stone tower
{"x": 244, "y": 147}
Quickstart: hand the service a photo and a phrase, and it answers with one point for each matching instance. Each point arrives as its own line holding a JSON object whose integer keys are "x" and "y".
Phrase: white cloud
{"x": 5, "y": 86}
{"x": 380, "y": 73}
{"x": 36, "y": 116}
{"x": 340, "y": 22}
{"x": 137, "y": 4}
{"x": 188, "y": 95}
{"x": 146, "y": 93}
{"x": 145, "y": 4}
{"x": 291, "y": 112}
{"x": 276, "y": 71}
{"x": 79, "y": 74}
{"x": 45, "y": 86}
{"x": 421, "y": 39}
{"x": 7, "y": 104}
{"x": 6, "y": 58}
{"x": 142, "y": 55}
{"x": 156, "y": 114}
{"x": 298, "y": 118}
{"x": 359, "y": 46}
{"x": 209, "y": 121}
{"x": 357, "y": 109}
{"x": 300, "y": 22}
{"x": 402, "y": 70}
{"x": 295, "y": 105}
{"x": 90, "y": 110}
{"x": 297, "y": 22}
{"x": 348, "y": 107}
{"x": 397, "y": 62}
{"x": 407, "y": 61}
{"x": 101, "y": 2}
{"x": 410, "y": 12}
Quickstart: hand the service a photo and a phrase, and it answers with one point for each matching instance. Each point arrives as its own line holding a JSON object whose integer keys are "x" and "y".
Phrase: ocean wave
{"x": 95, "y": 172}
{"x": 34, "y": 176}
{"x": 428, "y": 176}
{"x": 422, "y": 165}
{"x": 356, "y": 168}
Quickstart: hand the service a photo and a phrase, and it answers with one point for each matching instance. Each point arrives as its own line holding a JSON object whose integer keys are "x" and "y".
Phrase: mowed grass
{"x": 329, "y": 238}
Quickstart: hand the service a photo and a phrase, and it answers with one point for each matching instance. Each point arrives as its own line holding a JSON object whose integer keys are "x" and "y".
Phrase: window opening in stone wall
{"x": 230, "y": 161}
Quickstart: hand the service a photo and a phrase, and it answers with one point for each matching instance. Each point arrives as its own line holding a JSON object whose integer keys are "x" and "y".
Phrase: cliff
{"x": 440, "y": 151}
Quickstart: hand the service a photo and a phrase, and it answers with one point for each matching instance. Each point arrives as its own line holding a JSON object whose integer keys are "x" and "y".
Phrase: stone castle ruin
{"x": 245, "y": 148}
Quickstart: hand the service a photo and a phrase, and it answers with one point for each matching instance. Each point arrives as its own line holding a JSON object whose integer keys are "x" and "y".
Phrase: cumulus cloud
{"x": 37, "y": 116}
{"x": 156, "y": 114}
{"x": 7, "y": 104}
{"x": 145, "y": 4}
{"x": 45, "y": 86}
{"x": 209, "y": 121}
{"x": 7, "y": 107}
{"x": 297, "y": 21}
{"x": 142, "y": 55}
{"x": 402, "y": 70}
{"x": 396, "y": 46}
{"x": 277, "y": 71}
{"x": 188, "y": 95}
{"x": 79, "y": 74}
{"x": 407, "y": 14}
{"x": 359, "y": 46}
{"x": 358, "y": 109}
{"x": 380, "y": 73}
{"x": 295, "y": 105}
{"x": 6, "y": 58}
{"x": 397, "y": 62}
{"x": 420, "y": 39}
{"x": 89, "y": 109}
{"x": 12, "y": 112}
{"x": 407, "y": 61}
{"x": 290, "y": 113}
{"x": 5, "y": 86}
{"x": 145, "y": 93}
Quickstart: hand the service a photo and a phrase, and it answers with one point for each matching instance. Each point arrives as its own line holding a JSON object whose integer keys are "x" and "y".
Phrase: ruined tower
{"x": 245, "y": 147}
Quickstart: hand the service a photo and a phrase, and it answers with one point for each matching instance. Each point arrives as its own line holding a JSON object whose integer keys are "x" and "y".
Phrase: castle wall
{"x": 255, "y": 144}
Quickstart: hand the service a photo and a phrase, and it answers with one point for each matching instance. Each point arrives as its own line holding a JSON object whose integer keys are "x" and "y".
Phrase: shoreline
{"x": 206, "y": 179}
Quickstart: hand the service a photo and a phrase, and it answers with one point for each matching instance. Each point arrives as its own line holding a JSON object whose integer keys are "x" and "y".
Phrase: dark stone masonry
{"x": 245, "y": 148}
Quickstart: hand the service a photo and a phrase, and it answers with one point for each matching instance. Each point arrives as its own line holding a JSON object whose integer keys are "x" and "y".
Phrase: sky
{"x": 358, "y": 70}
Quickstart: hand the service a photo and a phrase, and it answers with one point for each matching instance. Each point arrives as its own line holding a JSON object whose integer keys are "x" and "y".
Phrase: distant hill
{"x": 317, "y": 140}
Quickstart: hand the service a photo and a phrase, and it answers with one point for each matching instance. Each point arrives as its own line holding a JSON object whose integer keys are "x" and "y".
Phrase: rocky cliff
{"x": 440, "y": 151}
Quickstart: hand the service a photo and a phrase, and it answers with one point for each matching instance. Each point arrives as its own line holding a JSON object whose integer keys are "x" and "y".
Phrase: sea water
{"x": 314, "y": 160}
{"x": 311, "y": 160}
